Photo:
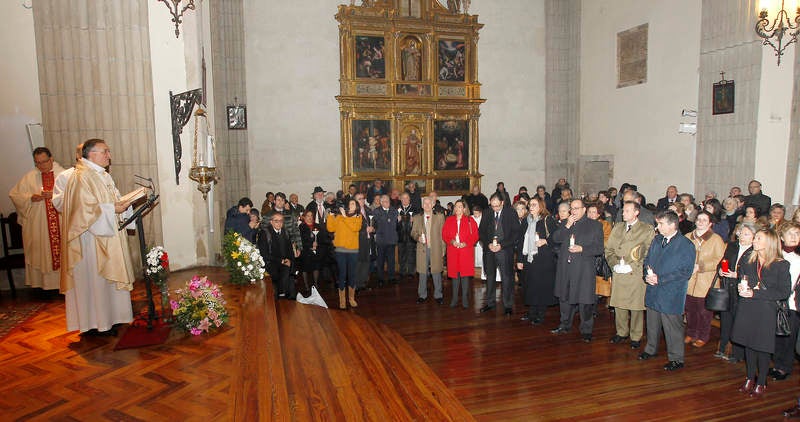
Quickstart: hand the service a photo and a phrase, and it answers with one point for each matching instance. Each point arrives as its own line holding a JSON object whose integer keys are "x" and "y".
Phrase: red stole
{"x": 53, "y": 228}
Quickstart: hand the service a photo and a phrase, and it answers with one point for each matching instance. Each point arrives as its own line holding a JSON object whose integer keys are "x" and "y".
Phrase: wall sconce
{"x": 782, "y": 25}
{"x": 177, "y": 10}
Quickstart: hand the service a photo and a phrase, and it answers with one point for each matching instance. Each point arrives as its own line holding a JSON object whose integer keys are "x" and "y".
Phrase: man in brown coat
{"x": 426, "y": 229}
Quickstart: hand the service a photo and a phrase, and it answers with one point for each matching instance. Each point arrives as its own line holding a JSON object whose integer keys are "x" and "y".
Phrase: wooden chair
{"x": 13, "y": 254}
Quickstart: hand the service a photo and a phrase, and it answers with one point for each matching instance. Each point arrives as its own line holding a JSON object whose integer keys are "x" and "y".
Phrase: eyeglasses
{"x": 576, "y": 208}
{"x": 277, "y": 221}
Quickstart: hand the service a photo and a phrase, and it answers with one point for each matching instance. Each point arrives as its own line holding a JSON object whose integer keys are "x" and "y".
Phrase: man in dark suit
{"x": 385, "y": 219}
{"x": 669, "y": 199}
{"x": 276, "y": 248}
{"x": 757, "y": 198}
{"x": 407, "y": 247}
{"x": 669, "y": 264}
{"x": 499, "y": 234}
{"x": 581, "y": 241}
{"x": 317, "y": 206}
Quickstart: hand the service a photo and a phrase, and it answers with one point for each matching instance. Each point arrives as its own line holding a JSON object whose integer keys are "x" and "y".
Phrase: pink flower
{"x": 212, "y": 314}
{"x": 216, "y": 293}
{"x": 196, "y": 293}
{"x": 203, "y": 324}
{"x": 196, "y": 331}
{"x": 218, "y": 322}
{"x": 173, "y": 304}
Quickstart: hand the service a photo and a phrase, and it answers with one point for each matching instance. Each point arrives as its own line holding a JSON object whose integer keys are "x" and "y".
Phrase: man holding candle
{"x": 668, "y": 266}
{"x": 625, "y": 251}
{"x": 426, "y": 229}
{"x": 499, "y": 233}
{"x": 580, "y": 240}
{"x": 32, "y": 197}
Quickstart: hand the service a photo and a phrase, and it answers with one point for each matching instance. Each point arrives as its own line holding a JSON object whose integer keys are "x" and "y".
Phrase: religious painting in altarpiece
{"x": 409, "y": 97}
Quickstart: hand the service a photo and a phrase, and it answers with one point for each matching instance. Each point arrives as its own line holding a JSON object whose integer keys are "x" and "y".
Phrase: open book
{"x": 134, "y": 195}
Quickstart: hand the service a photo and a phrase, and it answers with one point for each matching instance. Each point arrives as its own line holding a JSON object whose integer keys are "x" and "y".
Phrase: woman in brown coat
{"x": 709, "y": 249}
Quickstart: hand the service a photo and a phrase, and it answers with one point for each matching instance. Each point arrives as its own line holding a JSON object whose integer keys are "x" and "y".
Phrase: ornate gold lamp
{"x": 782, "y": 31}
{"x": 204, "y": 167}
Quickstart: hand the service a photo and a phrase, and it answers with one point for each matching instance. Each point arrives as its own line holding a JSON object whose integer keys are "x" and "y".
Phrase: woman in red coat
{"x": 460, "y": 233}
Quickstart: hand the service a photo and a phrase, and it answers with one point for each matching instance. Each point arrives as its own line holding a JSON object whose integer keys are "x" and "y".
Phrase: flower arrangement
{"x": 157, "y": 265}
{"x": 200, "y": 307}
{"x": 242, "y": 259}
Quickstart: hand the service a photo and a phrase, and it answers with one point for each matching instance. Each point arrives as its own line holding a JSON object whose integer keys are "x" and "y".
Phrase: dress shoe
{"x": 793, "y": 413}
{"x": 687, "y": 340}
{"x": 635, "y": 344}
{"x": 698, "y": 343}
{"x": 780, "y": 376}
{"x": 508, "y": 311}
{"x": 617, "y": 339}
{"x": 559, "y": 330}
{"x": 487, "y": 308}
{"x": 673, "y": 365}
{"x": 758, "y": 392}
{"x": 772, "y": 372}
{"x": 720, "y": 355}
{"x": 587, "y": 338}
{"x": 537, "y": 321}
{"x": 525, "y": 317}
{"x": 645, "y": 356}
{"x": 748, "y": 386}
{"x": 421, "y": 300}
{"x": 440, "y": 301}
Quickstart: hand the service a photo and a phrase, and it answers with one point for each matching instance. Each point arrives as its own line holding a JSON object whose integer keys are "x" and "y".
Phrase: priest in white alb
{"x": 41, "y": 237}
{"x": 97, "y": 274}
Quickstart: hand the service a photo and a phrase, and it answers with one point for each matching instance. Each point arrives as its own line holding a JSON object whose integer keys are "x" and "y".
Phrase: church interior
{"x": 452, "y": 94}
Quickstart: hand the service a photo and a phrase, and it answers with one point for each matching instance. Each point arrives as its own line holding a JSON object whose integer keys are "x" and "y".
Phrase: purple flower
{"x": 173, "y": 304}
{"x": 195, "y": 331}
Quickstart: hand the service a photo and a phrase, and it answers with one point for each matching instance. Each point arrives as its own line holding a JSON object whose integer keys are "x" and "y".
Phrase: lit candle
{"x": 210, "y": 154}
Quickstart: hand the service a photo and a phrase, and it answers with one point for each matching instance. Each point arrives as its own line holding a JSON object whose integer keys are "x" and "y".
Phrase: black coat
{"x": 274, "y": 248}
{"x": 663, "y": 203}
{"x": 760, "y": 201}
{"x": 754, "y": 325}
{"x": 509, "y": 222}
{"x": 731, "y": 253}
{"x": 385, "y": 222}
{"x": 539, "y": 275}
{"x": 404, "y": 225}
{"x": 575, "y": 272}
{"x": 309, "y": 259}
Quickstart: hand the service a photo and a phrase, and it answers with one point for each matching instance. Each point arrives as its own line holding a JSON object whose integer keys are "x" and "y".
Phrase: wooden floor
{"x": 307, "y": 363}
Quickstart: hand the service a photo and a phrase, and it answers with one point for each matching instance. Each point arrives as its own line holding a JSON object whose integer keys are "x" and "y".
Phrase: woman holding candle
{"x": 315, "y": 249}
{"x": 763, "y": 280}
{"x": 460, "y": 233}
{"x": 536, "y": 260}
{"x": 737, "y": 252}
{"x": 709, "y": 249}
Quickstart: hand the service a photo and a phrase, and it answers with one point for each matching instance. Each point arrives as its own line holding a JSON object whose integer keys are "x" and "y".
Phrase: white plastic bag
{"x": 313, "y": 299}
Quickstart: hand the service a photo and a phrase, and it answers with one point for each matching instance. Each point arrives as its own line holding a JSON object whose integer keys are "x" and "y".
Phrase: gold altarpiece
{"x": 409, "y": 94}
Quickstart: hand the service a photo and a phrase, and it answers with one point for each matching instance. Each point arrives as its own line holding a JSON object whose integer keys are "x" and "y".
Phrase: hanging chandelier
{"x": 782, "y": 31}
{"x": 204, "y": 167}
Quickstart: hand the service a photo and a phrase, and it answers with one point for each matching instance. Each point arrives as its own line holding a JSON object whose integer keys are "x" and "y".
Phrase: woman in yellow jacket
{"x": 709, "y": 248}
{"x": 345, "y": 228}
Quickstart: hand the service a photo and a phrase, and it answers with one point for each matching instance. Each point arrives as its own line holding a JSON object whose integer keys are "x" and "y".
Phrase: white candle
{"x": 210, "y": 154}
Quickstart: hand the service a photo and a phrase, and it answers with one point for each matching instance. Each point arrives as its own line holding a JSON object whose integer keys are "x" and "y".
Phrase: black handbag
{"x": 783, "y": 328}
{"x": 601, "y": 267}
{"x": 718, "y": 298}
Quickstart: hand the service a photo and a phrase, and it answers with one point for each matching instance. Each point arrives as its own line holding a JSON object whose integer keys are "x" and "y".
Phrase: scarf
{"x": 529, "y": 245}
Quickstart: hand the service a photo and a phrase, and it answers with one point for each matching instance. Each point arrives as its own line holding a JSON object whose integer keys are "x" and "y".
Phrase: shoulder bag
{"x": 718, "y": 298}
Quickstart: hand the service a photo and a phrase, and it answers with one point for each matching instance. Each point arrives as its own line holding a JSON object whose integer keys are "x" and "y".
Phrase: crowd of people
{"x": 654, "y": 264}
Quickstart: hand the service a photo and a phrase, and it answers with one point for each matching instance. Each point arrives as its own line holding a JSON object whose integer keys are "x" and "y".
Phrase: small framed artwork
{"x": 452, "y": 60}
{"x": 451, "y": 186}
{"x": 723, "y": 101}
{"x": 451, "y": 145}
{"x": 372, "y": 146}
{"x": 237, "y": 117}
{"x": 370, "y": 60}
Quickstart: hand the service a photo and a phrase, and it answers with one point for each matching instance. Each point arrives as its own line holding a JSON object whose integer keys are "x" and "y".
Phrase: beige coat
{"x": 627, "y": 290}
{"x": 709, "y": 250}
{"x": 434, "y": 238}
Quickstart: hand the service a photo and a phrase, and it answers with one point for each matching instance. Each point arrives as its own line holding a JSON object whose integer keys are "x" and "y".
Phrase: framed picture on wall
{"x": 452, "y": 60}
{"x": 370, "y": 58}
{"x": 451, "y": 186}
{"x": 723, "y": 97}
{"x": 451, "y": 145}
{"x": 372, "y": 146}
{"x": 237, "y": 117}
